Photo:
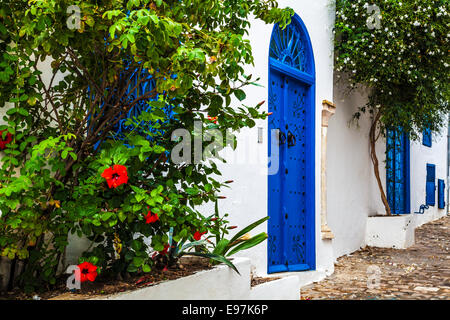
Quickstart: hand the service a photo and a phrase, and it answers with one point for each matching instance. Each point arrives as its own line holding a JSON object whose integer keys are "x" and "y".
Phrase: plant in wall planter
{"x": 242, "y": 240}
{"x": 88, "y": 149}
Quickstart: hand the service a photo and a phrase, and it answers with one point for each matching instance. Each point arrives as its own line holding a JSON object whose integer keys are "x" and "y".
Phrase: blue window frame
{"x": 441, "y": 194}
{"x": 427, "y": 137}
{"x": 398, "y": 171}
{"x": 431, "y": 185}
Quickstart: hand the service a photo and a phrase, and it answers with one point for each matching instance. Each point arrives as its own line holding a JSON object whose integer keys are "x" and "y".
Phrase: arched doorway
{"x": 291, "y": 194}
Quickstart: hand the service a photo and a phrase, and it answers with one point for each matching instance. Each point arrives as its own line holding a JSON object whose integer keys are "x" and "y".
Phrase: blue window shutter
{"x": 431, "y": 185}
{"x": 427, "y": 137}
{"x": 441, "y": 194}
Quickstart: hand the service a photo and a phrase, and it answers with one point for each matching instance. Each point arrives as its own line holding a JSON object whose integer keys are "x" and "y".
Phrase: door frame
{"x": 310, "y": 150}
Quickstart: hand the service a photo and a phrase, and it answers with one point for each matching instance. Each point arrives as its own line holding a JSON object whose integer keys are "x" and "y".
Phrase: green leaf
{"x": 215, "y": 257}
{"x": 132, "y": 268}
{"x": 220, "y": 247}
{"x": 112, "y": 223}
{"x": 138, "y": 261}
{"x": 240, "y": 94}
{"x": 146, "y": 268}
{"x": 106, "y": 215}
{"x": 249, "y": 243}
{"x": 122, "y": 216}
{"x": 154, "y": 18}
{"x": 248, "y": 229}
{"x": 192, "y": 191}
{"x": 136, "y": 245}
{"x": 193, "y": 244}
{"x": 131, "y": 38}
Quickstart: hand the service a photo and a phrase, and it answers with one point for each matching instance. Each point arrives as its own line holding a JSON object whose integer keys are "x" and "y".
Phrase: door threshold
{"x": 305, "y": 277}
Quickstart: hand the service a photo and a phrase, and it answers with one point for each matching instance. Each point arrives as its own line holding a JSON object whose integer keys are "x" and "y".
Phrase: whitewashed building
{"x": 321, "y": 193}
{"x": 322, "y": 198}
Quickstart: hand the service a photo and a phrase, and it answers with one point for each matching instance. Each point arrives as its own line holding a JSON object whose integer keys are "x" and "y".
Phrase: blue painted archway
{"x": 291, "y": 194}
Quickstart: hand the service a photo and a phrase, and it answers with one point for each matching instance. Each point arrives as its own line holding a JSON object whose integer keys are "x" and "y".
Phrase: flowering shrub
{"x": 83, "y": 159}
{"x": 5, "y": 138}
{"x": 115, "y": 176}
{"x": 400, "y": 51}
{"x": 88, "y": 272}
{"x": 404, "y": 59}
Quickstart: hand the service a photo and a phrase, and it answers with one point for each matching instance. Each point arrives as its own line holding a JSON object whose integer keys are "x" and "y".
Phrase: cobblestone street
{"x": 421, "y": 272}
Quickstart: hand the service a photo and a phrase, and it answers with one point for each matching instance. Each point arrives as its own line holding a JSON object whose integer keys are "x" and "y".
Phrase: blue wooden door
{"x": 397, "y": 171}
{"x": 291, "y": 190}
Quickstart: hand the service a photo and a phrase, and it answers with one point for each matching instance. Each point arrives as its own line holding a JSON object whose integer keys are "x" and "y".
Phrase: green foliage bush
{"x": 404, "y": 59}
{"x": 64, "y": 91}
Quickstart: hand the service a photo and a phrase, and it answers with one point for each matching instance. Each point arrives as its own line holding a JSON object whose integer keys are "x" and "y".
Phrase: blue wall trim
{"x": 431, "y": 185}
{"x": 427, "y": 137}
{"x": 441, "y": 194}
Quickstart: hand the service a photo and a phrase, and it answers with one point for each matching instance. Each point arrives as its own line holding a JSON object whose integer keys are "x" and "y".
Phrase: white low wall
{"x": 428, "y": 216}
{"x": 219, "y": 283}
{"x": 287, "y": 288}
{"x": 390, "y": 232}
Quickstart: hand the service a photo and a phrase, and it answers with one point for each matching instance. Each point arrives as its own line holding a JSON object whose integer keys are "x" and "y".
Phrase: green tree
{"x": 399, "y": 50}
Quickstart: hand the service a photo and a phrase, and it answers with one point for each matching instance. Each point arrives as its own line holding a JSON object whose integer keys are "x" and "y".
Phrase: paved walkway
{"x": 421, "y": 272}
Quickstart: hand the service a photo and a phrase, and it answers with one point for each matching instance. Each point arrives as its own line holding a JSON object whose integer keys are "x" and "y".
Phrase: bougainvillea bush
{"x": 400, "y": 51}
{"x": 92, "y": 91}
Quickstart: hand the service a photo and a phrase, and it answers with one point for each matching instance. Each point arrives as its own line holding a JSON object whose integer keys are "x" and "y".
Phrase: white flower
{"x": 0, "y": 213}
{"x": 416, "y": 23}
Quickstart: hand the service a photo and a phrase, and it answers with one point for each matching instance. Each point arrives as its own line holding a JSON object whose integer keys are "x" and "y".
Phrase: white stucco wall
{"x": 352, "y": 191}
{"x": 421, "y": 156}
{"x": 350, "y": 180}
{"x": 247, "y": 200}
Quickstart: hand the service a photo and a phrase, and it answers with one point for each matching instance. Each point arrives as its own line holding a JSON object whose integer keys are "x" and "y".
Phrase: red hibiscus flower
{"x": 151, "y": 217}
{"x": 212, "y": 119}
{"x": 198, "y": 235}
{"x": 115, "y": 176}
{"x": 88, "y": 272}
{"x": 163, "y": 252}
{"x": 6, "y": 141}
